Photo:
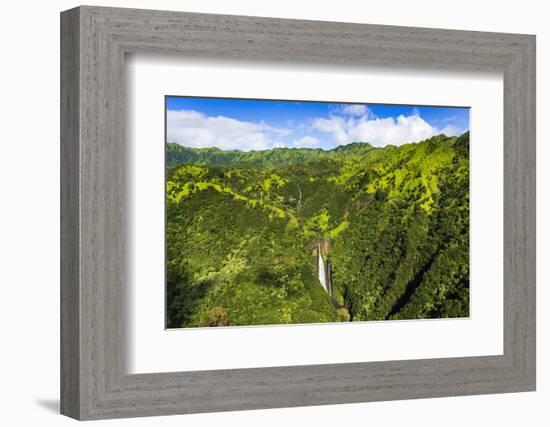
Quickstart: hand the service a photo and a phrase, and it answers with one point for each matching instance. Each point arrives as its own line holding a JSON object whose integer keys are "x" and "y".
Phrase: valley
{"x": 248, "y": 232}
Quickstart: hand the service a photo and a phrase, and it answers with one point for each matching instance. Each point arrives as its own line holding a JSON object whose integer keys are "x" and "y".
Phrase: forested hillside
{"x": 243, "y": 230}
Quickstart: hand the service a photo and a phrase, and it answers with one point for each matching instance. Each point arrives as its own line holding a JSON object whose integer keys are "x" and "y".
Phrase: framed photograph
{"x": 280, "y": 212}
{"x": 262, "y": 213}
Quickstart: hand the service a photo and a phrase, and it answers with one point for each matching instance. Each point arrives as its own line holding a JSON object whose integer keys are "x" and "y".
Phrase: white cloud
{"x": 380, "y": 132}
{"x": 451, "y": 130}
{"x": 335, "y": 126}
{"x": 194, "y": 129}
{"x": 307, "y": 142}
{"x": 355, "y": 109}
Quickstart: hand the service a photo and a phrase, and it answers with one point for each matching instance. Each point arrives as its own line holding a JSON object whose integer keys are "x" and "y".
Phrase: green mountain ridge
{"x": 243, "y": 228}
{"x": 177, "y": 155}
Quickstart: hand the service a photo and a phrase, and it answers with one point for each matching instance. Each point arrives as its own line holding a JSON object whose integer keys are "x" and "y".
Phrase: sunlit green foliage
{"x": 243, "y": 228}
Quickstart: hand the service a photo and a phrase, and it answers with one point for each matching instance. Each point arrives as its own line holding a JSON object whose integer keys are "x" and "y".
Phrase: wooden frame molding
{"x": 94, "y": 42}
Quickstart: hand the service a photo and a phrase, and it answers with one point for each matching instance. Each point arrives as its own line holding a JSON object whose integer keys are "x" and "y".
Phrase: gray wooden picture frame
{"x": 94, "y": 381}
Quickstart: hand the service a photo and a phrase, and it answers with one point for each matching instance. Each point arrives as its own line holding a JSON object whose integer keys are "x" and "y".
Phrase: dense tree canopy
{"x": 243, "y": 228}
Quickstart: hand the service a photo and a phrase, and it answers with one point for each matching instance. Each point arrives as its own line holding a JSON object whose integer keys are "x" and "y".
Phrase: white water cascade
{"x": 321, "y": 268}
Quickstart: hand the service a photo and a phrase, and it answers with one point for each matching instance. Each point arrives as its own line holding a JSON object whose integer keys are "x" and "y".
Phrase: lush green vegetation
{"x": 243, "y": 229}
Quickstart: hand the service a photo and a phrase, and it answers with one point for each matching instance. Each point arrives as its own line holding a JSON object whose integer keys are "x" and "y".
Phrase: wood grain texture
{"x": 94, "y": 381}
{"x": 70, "y": 314}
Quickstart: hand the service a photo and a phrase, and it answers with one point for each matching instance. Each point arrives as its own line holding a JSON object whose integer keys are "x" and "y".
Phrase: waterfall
{"x": 321, "y": 268}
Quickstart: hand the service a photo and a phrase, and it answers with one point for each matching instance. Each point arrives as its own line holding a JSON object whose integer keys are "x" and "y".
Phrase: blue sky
{"x": 264, "y": 124}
